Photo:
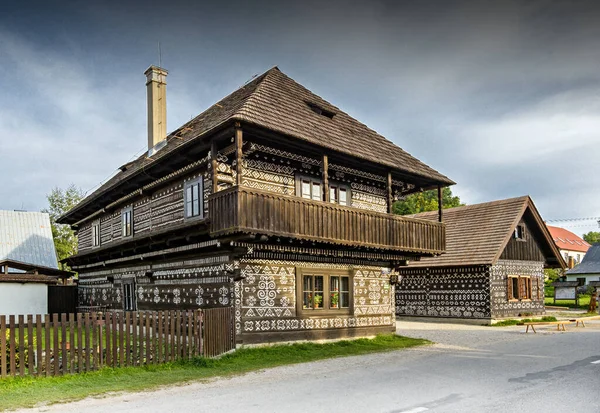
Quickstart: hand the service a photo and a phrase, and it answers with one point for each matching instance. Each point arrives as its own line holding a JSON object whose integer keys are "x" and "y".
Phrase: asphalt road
{"x": 471, "y": 369}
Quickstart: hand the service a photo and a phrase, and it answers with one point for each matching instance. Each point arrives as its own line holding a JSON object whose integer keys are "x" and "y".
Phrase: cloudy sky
{"x": 503, "y": 97}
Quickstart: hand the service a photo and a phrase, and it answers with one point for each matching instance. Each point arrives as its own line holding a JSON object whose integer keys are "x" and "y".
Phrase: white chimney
{"x": 156, "y": 90}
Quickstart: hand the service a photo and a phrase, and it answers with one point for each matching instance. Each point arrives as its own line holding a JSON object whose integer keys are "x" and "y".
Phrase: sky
{"x": 502, "y": 97}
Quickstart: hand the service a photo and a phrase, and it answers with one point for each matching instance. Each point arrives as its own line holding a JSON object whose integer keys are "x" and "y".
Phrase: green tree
{"x": 592, "y": 237}
{"x": 425, "y": 201}
{"x": 59, "y": 202}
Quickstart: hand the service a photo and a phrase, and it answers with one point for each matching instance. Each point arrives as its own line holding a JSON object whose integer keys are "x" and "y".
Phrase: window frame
{"x": 96, "y": 234}
{"x": 327, "y": 274}
{"x": 336, "y": 186}
{"x": 129, "y": 284}
{"x": 312, "y": 180}
{"x": 524, "y": 284}
{"x": 519, "y": 233}
{"x": 127, "y": 211}
{"x": 190, "y": 184}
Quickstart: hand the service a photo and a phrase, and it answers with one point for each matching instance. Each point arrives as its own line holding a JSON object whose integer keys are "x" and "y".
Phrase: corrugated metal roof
{"x": 27, "y": 237}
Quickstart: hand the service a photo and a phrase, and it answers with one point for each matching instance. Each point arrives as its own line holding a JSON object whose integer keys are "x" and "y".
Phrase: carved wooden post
{"x": 238, "y": 153}
{"x": 325, "y": 178}
{"x": 390, "y": 198}
{"x": 440, "y": 206}
{"x": 214, "y": 165}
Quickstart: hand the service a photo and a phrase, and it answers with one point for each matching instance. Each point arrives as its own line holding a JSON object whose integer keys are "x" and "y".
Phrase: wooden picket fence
{"x": 57, "y": 344}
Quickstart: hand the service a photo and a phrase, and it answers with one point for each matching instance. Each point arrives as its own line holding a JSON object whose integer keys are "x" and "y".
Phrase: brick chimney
{"x": 156, "y": 90}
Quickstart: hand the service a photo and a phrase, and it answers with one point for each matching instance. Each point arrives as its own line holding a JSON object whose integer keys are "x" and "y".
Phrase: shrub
{"x": 24, "y": 357}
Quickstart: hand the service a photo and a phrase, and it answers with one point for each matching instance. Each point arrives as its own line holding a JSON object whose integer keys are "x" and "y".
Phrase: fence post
{"x": 3, "y": 357}
{"x": 30, "y": 337}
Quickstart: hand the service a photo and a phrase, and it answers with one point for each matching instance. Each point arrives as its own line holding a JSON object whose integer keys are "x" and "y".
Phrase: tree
{"x": 592, "y": 237}
{"x": 59, "y": 202}
{"x": 425, "y": 201}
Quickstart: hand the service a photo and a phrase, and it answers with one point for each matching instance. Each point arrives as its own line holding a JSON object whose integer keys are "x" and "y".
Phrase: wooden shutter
{"x": 509, "y": 289}
{"x": 522, "y": 287}
{"x": 537, "y": 281}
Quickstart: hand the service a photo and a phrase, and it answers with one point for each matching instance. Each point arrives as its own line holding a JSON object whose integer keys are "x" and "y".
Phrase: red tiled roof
{"x": 566, "y": 240}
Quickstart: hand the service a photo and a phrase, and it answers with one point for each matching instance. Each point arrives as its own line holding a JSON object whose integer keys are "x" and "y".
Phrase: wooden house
{"x": 272, "y": 201}
{"x": 589, "y": 269}
{"x": 493, "y": 267}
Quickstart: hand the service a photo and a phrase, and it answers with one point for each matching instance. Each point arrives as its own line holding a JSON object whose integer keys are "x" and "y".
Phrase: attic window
{"x": 320, "y": 111}
{"x": 519, "y": 232}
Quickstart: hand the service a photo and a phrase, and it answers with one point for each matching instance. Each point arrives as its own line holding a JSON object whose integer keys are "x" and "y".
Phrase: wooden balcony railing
{"x": 248, "y": 210}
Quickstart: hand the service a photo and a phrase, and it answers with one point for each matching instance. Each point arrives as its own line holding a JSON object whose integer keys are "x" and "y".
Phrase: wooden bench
{"x": 583, "y": 319}
{"x": 559, "y": 325}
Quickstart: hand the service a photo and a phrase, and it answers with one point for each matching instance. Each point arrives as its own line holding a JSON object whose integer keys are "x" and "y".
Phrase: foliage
{"x": 24, "y": 357}
{"x": 552, "y": 275}
{"x": 59, "y": 202}
{"x": 592, "y": 237}
{"x": 29, "y": 391}
{"x": 425, "y": 201}
{"x": 513, "y": 322}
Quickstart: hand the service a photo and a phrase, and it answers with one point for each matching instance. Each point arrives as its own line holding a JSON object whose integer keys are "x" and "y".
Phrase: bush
{"x": 24, "y": 357}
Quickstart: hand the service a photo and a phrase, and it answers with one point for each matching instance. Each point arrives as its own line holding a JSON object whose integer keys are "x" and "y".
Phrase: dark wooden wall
{"x": 526, "y": 249}
{"x": 62, "y": 299}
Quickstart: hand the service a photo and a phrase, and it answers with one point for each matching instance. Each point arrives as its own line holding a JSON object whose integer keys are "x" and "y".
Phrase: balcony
{"x": 248, "y": 210}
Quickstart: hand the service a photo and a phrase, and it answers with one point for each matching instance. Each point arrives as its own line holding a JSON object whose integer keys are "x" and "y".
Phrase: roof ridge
{"x": 254, "y": 94}
{"x": 479, "y": 205}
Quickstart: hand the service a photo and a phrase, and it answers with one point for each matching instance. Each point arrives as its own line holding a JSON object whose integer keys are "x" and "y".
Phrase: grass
{"x": 513, "y": 322}
{"x": 29, "y": 391}
{"x": 584, "y": 302}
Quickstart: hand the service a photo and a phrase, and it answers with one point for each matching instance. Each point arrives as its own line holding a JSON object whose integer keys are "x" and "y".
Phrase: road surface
{"x": 470, "y": 369}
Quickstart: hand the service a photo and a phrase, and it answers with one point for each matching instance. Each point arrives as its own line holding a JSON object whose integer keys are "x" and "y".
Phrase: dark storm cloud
{"x": 503, "y": 97}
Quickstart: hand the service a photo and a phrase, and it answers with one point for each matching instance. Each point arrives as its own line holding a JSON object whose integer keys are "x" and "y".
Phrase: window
{"x": 566, "y": 257}
{"x": 126, "y": 222}
{"x": 193, "y": 199}
{"x": 338, "y": 194}
{"x": 309, "y": 188}
{"x": 578, "y": 258}
{"x": 323, "y": 291}
{"x": 519, "y": 288}
{"x": 129, "y": 303}
{"x": 581, "y": 281}
{"x": 520, "y": 232}
{"x": 96, "y": 234}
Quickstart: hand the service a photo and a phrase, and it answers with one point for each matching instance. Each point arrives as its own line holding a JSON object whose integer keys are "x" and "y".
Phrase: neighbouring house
{"x": 28, "y": 264}
{"x": 493, "y": 267}
{"x": 272, "y": 201}
{"x": 572, "y": 247}
{"x": 589, "y": 269}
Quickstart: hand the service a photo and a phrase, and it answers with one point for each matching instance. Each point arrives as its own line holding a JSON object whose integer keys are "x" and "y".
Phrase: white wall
{"x": 18, "y": 298}
{"x": 588, "y": 278}
{"x": 574, "y": 254}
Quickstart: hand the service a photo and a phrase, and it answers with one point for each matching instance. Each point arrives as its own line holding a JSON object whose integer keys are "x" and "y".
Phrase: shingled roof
{"x": 477, "y": 234}
{"x": 276, "y": 102}
{"x": 590, "y": 263}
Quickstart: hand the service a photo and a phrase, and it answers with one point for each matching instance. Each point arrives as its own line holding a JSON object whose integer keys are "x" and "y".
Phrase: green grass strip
{"x": 512, "y": 322}
{"x": 30, "y": 391}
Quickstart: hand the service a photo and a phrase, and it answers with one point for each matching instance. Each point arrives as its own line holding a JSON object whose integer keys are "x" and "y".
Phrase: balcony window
{"x": 193, "y": 199}
{"x": 338, "y": 194}
{"x": 309, "y": 188}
